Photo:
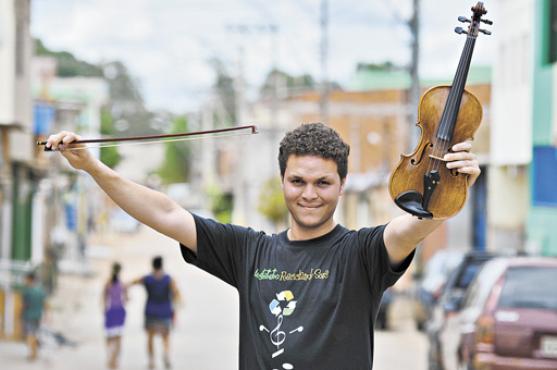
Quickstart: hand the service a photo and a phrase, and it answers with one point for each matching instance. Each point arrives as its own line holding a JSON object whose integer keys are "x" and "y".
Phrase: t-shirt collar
{"x": 318, "y": 241}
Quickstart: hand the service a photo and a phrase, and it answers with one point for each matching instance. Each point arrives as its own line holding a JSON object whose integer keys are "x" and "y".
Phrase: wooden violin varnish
{"x": 421, "y": 184}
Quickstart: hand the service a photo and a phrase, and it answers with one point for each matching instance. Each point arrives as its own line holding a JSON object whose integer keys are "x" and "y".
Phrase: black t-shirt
{"x": 303, "y": 304}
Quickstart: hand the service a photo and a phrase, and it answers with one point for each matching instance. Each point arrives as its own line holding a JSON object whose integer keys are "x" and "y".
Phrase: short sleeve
{"x": 220, "y": 249}
{"x": 376, "y": 259}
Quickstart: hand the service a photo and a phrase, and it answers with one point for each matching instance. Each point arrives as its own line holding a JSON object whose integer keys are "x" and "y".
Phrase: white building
{"x": 511, "y": 131}
{"x": 15, "y": 107}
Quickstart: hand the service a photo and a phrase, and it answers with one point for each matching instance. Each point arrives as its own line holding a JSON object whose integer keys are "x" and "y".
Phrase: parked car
{"x": 450, "y": 302}
{"x": 508, "y": 318}
{"x": 436, "y": 273}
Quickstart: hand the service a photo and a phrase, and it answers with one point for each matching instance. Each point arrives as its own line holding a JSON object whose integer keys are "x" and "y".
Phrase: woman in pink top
{"x": 114, "y": 298}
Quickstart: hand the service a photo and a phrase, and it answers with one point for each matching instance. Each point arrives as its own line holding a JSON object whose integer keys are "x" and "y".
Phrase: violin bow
{"x": 149, "y": 139}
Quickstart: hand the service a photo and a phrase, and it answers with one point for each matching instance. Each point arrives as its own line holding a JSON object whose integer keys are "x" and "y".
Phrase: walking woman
{"x": 114, "y": 298}
{"x": 162, "y": 296}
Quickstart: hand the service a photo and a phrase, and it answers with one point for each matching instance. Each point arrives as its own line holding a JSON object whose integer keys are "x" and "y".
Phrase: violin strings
{"x": 452, "y": 103}
{"x": 461, "y": 81}
{"x": 440, "y": 150}
{"x": 129, "y": 143}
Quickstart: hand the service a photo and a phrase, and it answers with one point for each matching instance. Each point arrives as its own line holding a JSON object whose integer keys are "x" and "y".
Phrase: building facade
{"x": 542, "y": 216}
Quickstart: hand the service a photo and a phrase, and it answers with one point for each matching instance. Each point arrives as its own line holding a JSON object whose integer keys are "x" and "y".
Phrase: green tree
{"x": 127, "y": 106}
{"x": 176, "y": 165}
{"x": 67, "y": 64}
{"x": 224, "y": 87}
{"x": 110, "y": 155}
{"x": 220, "y": 203}
{"x": 293, "y": 84}
{"x": 271, "y": 202}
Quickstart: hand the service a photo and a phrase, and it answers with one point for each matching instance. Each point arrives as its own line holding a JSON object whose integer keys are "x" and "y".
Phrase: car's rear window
{"x": 530, "y": 287}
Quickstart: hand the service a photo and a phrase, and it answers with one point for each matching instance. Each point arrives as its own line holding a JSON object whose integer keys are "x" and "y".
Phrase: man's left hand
{"x": 464, "y": 161}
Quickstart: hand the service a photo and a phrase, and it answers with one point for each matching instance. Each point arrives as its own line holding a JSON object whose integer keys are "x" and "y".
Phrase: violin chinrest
{"x": 411, "y": 201}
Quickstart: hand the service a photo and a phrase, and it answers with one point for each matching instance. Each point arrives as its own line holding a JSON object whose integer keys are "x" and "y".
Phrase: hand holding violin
{"x": 464, "y": 161}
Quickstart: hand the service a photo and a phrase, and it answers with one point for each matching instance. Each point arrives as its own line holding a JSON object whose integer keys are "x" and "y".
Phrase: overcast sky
{"x": 166, "y": 43}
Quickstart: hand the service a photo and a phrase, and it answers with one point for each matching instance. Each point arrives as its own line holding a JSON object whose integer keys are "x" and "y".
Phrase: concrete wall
{"x": 7, "y": 61}
{"x": 15, "y": 89}
{"x": 512, "y": 125}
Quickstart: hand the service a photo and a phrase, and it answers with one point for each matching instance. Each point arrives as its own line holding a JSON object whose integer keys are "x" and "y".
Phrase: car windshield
{"x": 530, "y": 287}
{"x": 468, "y": 274}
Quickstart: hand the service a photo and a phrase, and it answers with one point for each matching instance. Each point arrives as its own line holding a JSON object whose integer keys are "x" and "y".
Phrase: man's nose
{"x": 309, "y": 192}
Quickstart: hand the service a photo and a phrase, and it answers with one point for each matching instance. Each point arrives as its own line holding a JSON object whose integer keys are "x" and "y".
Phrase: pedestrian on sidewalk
{"x": 162, "y": 296}
{"x": 114, "y": 298}
{"x": 309, "y": 295}
{"x": 33, "y": 306}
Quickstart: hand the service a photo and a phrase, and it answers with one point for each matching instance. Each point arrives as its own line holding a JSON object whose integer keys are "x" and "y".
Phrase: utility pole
{"x": 243, "y": 183}
{"x": 324, "y": 54}
{"x": 272, "y": 29}
{"x": 239, "y": 213}
{"x": 414, "y": 93}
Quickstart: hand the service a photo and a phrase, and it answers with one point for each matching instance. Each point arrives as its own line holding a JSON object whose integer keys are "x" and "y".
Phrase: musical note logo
{"x": 282, "y": 306}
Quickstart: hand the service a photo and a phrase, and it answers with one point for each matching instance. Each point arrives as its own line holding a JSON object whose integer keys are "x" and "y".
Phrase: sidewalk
{"x": 76, "y": 312}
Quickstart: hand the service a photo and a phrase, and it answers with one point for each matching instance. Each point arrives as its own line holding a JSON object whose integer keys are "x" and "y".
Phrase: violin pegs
{"x": 486, "y": 21}
{"x": 463, "y": 19}
{"x": 485, "y": 32}
{"x": 460, "y": 30}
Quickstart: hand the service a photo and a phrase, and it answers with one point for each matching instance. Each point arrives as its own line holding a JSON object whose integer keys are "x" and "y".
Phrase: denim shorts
{"x": 31, "y": 327}
{"x": 157, "y": 324}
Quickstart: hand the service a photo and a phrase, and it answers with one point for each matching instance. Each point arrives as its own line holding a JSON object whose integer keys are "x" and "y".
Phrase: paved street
{"x": 205, "y": 337}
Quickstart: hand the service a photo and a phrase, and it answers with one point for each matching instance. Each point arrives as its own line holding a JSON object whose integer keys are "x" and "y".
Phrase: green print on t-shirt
{"x": 274, "y": 274}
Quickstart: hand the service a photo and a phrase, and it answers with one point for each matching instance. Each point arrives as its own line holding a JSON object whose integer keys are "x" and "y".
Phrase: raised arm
{"x": 148, "y": 206}
{"x": 404, "y": 232}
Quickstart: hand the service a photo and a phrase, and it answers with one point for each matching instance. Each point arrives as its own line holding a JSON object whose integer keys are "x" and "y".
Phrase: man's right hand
{"x": 80, "y": 159}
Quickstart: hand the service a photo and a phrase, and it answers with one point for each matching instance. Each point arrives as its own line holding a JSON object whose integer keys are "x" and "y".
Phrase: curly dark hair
{"x": 315, "y": 139}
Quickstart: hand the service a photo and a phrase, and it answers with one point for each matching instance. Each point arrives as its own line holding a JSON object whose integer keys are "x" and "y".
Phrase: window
{"x": 527, "y": 287}
{"x": 480, "y": 289}
{"x": 545, "y": 176}
{"x": 468, "y": 274}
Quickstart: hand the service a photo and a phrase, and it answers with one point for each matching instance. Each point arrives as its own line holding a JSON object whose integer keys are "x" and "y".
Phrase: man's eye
{"x": 324, "y": 183}
{"x": 296, "y": 181}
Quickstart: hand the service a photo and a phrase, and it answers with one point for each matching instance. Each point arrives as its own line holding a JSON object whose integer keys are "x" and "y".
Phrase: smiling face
{"x": 312, "y": 187}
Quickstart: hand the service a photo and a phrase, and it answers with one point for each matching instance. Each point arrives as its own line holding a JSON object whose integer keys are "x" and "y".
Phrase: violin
{"x": 421, "y": 184}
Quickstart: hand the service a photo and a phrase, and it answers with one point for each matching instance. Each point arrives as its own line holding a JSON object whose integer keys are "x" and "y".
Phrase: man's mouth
{"x": 309, "y": 207}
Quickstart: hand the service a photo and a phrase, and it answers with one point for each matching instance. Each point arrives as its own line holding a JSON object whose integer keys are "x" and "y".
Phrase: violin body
{"x": 450, "y": 195}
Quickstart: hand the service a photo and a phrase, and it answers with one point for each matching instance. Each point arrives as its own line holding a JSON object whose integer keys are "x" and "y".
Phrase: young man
{"x": 33, "y": 305}
{"x": 309, "y": 295}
